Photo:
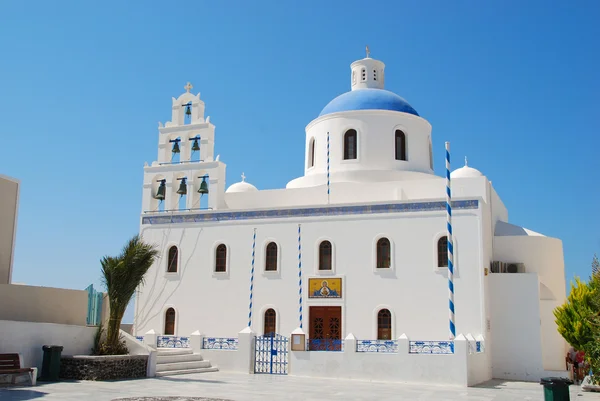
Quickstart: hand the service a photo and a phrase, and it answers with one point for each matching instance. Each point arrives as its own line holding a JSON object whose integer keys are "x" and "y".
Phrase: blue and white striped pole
{"x": 300, "y": 274}
{"x": 450, "y": 247}
{"x": 328, "y": 187}
{"x": 252, "y": 279}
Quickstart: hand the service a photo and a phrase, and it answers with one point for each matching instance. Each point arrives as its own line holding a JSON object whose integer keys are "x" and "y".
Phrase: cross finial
{"x": 188, "y": 87}
{"x": 243, "y": 178}
{"x": 466, "y": 163}
{"x": 368, "y": 52}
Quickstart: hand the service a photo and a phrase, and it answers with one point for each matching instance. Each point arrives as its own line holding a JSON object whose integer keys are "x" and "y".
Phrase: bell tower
{"x": 185, "y": 177}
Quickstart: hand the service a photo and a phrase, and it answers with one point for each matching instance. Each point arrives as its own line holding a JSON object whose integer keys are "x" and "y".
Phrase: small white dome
{"x": 241, "y": 186}
{"x": 466, "y": 172}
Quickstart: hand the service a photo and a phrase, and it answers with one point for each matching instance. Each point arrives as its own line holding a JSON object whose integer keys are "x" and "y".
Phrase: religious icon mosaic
{"x": 324, "y": 287}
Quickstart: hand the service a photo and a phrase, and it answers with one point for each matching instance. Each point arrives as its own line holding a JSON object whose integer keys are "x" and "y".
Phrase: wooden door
{"x": 325, "y": 328}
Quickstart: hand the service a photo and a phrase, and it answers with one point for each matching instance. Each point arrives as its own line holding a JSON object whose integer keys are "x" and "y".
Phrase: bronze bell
{"x": 203, "y": 186}
{"x": 182, "y": 187}
{"x": 160, "y": 192}
{"x": 195, "y": 145}
{"x": 188, "y": 109}
{"x": 176, "y": 147}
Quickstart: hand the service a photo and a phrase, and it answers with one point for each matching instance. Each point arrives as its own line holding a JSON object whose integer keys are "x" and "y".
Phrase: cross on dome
{"x": 243, "y": 178}
{"x": 466, "y": 163}
{"x": 368, "y": 52}
{"x": 188, "y": 87}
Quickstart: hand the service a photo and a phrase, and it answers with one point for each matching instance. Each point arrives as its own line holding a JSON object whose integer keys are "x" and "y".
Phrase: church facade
{"x": 357, "y": 245}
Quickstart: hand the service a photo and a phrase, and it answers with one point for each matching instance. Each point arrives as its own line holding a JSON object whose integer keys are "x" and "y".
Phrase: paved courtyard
{"x": 240, "y": 387}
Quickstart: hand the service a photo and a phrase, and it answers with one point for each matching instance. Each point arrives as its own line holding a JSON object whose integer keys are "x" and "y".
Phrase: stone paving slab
{"x": 243, "y": 387}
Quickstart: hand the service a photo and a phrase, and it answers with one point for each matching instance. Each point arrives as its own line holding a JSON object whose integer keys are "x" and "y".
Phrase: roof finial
{"x": 188, "y": 87}
{"x": 243, "y": 178}
{"x": 368, "y": 52}
{"x": 466, "y": 163}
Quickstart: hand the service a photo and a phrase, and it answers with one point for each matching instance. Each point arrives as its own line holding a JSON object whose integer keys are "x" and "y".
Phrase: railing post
{"x": 403, "y": 345}
{"x": 150, "y": 338}
{"x": 246, "y": 350}
{"x": 196, "y": 339}
{"x": 461, "y": 353}
{"x": 350, "y": 344}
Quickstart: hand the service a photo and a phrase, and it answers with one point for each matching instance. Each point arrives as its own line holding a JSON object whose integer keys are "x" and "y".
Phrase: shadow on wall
{"x": 127, "y": 328}
{"x": 20, "y": 395}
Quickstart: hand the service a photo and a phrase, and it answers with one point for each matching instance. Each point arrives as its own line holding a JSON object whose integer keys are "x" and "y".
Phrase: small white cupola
{"x": 367, "y": 73}
{"x": 466, "y": 172}
{"x": 241, "y": 186}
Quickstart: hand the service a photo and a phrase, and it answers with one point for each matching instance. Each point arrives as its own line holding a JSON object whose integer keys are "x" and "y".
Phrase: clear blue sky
{"x": 511, "y": 84}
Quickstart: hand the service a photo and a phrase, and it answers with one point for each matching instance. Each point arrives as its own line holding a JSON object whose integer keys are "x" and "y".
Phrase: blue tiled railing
{"x": 220, "y": 343}
{"x": 431, "y": 347}
{"x": 172, "y": 342}
{"x": 382, "y": 346}
{"x": 311, "y": 212}
{"x": 316, "y": 344}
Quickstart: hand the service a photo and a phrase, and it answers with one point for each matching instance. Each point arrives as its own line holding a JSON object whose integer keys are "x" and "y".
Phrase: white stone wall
{"x": 375, "y": 147}
{"x": 27, "y": 339}
{"x": 9, "y": 205}
{"x": 542, "y": 256}
{"x": 414, "y": 289}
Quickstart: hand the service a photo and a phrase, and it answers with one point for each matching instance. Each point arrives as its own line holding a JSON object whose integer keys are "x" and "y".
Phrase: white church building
{"x": 349, "y": 261}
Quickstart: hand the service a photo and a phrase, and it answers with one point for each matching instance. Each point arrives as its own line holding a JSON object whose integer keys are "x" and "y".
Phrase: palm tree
{"x": 122, "y": 275}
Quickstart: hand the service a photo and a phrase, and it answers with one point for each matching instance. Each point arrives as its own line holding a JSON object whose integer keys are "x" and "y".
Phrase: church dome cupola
{"x": 367, "y": 91}
{"x": 367, "y": 73}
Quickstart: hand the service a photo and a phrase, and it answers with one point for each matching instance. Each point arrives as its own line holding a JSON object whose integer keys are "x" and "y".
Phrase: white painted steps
{"x": 171, "y": 361}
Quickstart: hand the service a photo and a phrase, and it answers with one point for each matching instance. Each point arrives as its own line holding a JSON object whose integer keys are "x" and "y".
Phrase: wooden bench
{"x": 10, "y": 364}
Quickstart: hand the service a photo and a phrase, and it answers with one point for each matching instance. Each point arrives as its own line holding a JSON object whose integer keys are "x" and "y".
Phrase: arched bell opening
{"x": 159, "y": 193}
{"x": 199, "y": 190}
{"x": 173, "y": 149}
{"x": 194, "y": 147}
{"x": 179, "y": 192}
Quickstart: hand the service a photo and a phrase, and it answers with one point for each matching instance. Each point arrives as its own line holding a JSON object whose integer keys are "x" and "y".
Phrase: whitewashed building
{"x": 353, "y": 250}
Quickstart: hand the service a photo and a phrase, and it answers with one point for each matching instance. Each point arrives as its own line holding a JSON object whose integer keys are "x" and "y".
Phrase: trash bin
{"x": 556, "y": 388}
{"x": 51, "y": 362}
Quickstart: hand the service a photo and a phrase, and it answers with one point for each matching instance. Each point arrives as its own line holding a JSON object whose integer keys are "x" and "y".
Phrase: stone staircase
{"x": 180, "y": 361}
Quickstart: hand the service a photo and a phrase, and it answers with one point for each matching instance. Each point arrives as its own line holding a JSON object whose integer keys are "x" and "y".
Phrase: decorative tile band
{"x": 382, "y": 346}
{"x": 309, "y": 212}
{"x": 140, "y": 338}
{"x": 325, "y": 344}
{"x": 172, "y": 342}
{"x": 220, "y": 343}
{"x": 431, "y": 347}
{"x": 478, "y": 347}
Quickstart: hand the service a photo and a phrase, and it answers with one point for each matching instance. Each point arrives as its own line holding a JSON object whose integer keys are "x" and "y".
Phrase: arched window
{"x": 221, "y": 258}
{"x": 271, "y": 257}
{"x": 384, "y": 325}
{"x": 400, "y": 145}
{"x": 170, "y": 322}
{"x": 383, "y": 253}
{"x": 325, "y": 255}
{"x": 173, "y": 261}
{"x": 311, "y": 153}
{"x": 442, "y": 252}
{"x": 350, "y": 144}
{"x": 270, "y": 323}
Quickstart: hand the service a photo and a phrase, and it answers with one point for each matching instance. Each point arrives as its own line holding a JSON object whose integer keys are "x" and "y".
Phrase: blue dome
{"x": 368, "y": 99}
